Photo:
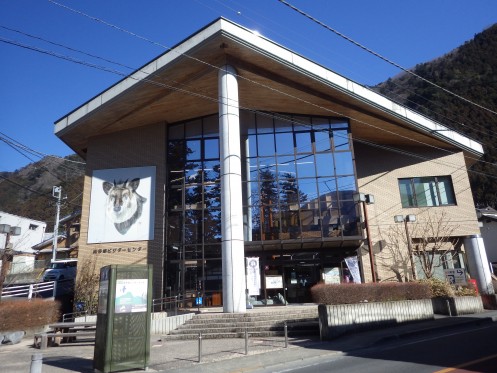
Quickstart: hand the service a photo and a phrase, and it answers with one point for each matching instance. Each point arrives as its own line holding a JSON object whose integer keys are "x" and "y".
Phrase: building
{"x": 234, "y": 155}
{"x": 29, "y": 232}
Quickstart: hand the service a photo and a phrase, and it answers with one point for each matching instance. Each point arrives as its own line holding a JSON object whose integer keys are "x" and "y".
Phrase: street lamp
{"x": 408, "y": 219}
{"x": 367, "y": 199}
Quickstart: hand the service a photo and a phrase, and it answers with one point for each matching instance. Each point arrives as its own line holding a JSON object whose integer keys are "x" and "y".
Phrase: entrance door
{"x": 299, "y": 280}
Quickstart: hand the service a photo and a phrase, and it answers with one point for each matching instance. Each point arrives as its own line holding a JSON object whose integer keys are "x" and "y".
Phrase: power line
{"x": 195, "y": 93}
{"x": 384, "y": 58}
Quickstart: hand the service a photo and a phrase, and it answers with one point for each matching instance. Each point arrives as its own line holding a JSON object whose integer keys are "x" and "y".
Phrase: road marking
{"x": 447, "y": 370}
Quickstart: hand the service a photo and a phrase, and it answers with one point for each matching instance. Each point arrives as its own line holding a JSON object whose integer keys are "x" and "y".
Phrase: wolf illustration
{"x": 124, "y": 206}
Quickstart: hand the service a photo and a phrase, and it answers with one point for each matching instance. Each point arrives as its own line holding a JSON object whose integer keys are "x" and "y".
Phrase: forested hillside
{"x": 28, "y": 192}
{"x": 469, "y": 71}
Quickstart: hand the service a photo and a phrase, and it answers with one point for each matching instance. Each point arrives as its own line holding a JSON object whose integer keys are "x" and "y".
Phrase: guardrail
{"x": 31, "y": 290}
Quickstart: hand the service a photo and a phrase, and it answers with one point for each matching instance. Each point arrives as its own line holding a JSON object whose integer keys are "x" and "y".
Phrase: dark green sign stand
{"x": 122, "y": 340}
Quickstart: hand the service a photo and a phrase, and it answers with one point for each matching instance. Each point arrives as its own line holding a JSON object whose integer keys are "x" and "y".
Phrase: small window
{"x": 33, "y": 227}
{"x": 427, "y": 191}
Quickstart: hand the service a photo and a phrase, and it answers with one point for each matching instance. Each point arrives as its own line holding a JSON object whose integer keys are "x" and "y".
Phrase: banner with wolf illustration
{"x": 122, "y": 205}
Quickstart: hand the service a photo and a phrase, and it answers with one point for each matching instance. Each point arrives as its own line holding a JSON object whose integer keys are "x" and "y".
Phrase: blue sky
{"x": 37, "y": 88}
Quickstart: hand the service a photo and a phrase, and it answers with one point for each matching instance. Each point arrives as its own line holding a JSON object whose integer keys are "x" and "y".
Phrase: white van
{"x": 61, "y": 270}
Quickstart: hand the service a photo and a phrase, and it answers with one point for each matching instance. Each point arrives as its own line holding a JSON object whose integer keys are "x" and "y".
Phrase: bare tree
{"x": 432, "y": 241}
{"x": 86, "y": 286}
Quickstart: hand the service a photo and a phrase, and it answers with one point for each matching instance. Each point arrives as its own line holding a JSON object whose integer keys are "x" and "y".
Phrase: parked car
{"x": 61, "y": 270}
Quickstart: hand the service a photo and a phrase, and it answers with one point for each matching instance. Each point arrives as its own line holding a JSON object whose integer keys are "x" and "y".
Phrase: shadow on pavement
{"x": 70, "y": 363}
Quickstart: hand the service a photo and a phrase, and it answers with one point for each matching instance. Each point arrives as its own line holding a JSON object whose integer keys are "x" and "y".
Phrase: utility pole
{"x": 57, "y": 193}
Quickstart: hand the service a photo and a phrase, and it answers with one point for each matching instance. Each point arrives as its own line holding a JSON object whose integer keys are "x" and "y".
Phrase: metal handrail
{"x": 167, "y": 304}
{"x": 72, "y": 315}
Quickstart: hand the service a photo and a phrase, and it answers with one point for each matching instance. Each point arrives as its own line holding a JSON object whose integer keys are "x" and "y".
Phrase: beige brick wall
{"x": 378, "y": 172}
{"x": 144, "y": 146}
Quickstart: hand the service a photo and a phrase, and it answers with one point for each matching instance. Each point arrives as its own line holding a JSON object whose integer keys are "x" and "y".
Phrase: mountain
{"x": 28, "y": 192}
{"x": 469, "y": 71}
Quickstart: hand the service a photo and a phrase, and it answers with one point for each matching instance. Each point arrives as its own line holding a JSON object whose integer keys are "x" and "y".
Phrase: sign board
{"x": 456, "y": 276}
{"x": 331, "y": 275}
{"x": 274, "y": 282}
{"x": 253, "y": 275}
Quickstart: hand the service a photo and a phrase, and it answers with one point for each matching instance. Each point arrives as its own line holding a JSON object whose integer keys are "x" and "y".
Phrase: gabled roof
{"x": 182, "y": 84}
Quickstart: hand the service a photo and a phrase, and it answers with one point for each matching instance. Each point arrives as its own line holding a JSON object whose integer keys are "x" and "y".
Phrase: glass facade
{"x": 298, "y": 179}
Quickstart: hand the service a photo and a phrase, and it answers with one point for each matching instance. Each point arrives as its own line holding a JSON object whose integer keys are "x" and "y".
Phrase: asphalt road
{"x": 462, "y": 350}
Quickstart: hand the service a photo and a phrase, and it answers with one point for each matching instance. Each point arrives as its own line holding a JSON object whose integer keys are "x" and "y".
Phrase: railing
{"x": 31, "y": 290}
{"x": 68, "y": 317}
{"x": 167, "y": 304}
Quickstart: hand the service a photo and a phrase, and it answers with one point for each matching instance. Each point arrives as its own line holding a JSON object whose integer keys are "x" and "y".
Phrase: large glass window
{"x": 300, "y": 177}
{"x": 427, "y": 191}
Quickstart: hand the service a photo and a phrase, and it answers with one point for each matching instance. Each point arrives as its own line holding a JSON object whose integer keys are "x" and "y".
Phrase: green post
{"x": 122, "y": 340}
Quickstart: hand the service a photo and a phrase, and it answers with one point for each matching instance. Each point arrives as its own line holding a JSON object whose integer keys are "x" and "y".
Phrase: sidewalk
{"x": 225, "y": 355}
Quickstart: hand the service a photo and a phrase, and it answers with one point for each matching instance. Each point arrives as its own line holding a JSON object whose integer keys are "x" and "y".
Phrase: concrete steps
{"x": 300, "y": 320}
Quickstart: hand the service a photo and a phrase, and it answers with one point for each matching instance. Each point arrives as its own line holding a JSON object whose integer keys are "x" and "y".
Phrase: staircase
{"x": 300, "y": 320}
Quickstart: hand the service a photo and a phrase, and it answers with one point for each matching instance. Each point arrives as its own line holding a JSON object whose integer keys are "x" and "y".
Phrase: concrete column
{"x": 479, "y": 267}
{"x": 231, "y": 193}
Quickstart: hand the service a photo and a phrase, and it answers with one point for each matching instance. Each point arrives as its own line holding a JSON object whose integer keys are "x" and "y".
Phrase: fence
{"x": 41, "y": 289}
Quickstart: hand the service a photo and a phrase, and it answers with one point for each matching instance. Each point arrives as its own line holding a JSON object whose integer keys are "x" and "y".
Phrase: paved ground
{"x": 221, "y": 355}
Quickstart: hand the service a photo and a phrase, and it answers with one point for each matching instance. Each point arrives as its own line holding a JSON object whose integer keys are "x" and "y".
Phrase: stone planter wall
{"x": 335, "y": 320}
{"x": 457, "y": 306}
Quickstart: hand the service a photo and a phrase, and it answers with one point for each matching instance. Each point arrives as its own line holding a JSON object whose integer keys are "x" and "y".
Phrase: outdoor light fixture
{"x": 407, "y": 219}
{"x": 367, "y": 199}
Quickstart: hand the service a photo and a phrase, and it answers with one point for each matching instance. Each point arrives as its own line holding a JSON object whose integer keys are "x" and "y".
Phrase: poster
{"x": 331, "y": 275}
{"x": 253, "y": 276}
{"x": 122, "y": 205}
{"x": 131, "y": 295}
{"x": 274, "y": 282}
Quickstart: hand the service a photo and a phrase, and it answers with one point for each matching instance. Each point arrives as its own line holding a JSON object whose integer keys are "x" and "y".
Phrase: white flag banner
{"x": 353, "y": 265}
{"x": 253, "y": 276}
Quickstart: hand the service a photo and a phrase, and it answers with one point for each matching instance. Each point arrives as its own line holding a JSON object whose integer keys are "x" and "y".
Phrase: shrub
{"x": 438, "y": 288}
{"x": 370, "y": 292}
{"x": 26, "y": 314}
{"x": 465, "y": 291}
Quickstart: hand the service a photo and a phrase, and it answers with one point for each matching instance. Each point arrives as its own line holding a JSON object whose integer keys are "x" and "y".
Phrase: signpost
{"x": 456, "y": 276}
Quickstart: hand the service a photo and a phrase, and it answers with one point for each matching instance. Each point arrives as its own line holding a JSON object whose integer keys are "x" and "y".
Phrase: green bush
{"x": 17, "y": 315}
{"x": 369, "y": 292}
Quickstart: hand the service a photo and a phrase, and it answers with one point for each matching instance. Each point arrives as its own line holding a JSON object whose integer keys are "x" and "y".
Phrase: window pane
{"x": 282, "y": 124}
{"x": 406, "y": 193}
{"x": 307, "y": 190}
{"x": 211, "y": 125}
{"x": 193, "y": 149}
{"x": 446, "y": 191}
{"x": 301, "y": 123}
{"x": 305, "y": 166}
{"x": 341, "y": 139}
{"x": 265, "y": 144}
{"x": 211, "y": 148}
{"x": 286, "y": 166}
{"x": 303, "y": 142}
{"x": 176, "y": 132}
{"x": 344, "y": 164}
{"x": 193, "y": 129}
{"x": 346, "y": 186}
{"x": 264, "y": 123}
{"x": 426, "y": 191}
{"x": 324, "y": 164}
{"x": 322, "y": 140}
{"x": 284, "y": 143}
{"x": 211, "y": 171}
